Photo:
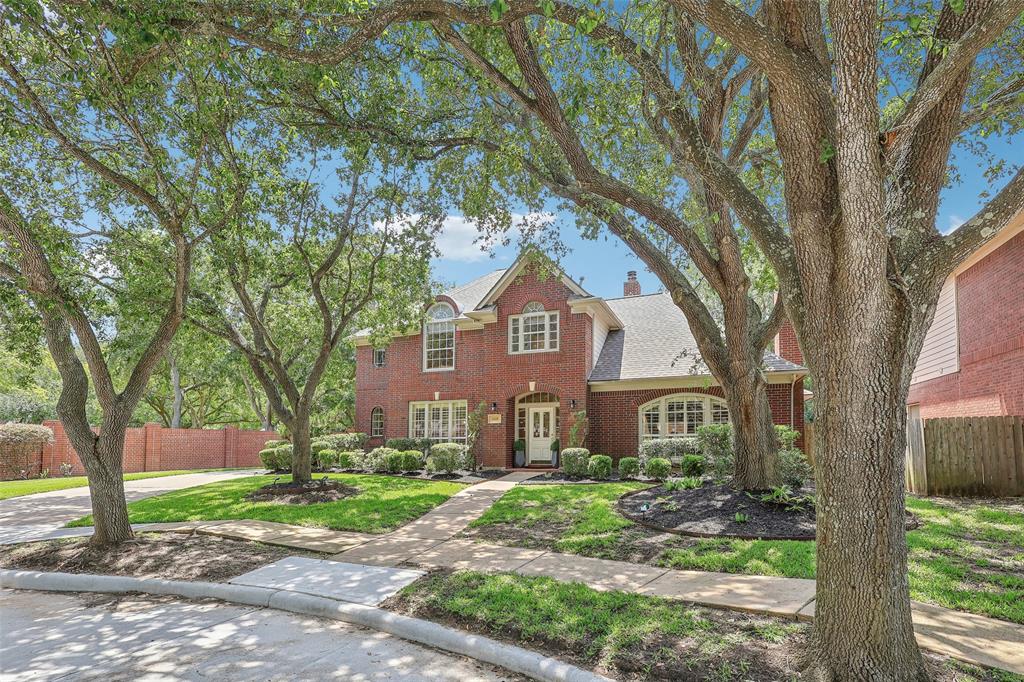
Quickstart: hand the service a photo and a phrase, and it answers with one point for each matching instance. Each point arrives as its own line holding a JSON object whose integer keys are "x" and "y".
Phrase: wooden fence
{"x": 966, "y": 456}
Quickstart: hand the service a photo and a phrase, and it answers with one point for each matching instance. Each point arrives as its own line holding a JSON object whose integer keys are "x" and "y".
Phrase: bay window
{"x": 680, "y": 415}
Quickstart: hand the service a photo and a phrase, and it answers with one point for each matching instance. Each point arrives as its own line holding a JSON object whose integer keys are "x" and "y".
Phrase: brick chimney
{"x": 786, "y": 345}
{"x": 631, "y": 287}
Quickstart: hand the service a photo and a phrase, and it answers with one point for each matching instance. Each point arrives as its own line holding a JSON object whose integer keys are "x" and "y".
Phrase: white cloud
{"x": 955, "y": 221}
{"x": 460, "y": 239}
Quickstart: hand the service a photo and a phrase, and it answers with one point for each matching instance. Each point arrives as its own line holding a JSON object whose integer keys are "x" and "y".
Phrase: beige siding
{"x": 940, "y": 353}
{"x": 600, "y": 335}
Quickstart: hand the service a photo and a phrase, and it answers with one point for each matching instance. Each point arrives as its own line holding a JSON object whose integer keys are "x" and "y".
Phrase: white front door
{"x": 540, "y": 432}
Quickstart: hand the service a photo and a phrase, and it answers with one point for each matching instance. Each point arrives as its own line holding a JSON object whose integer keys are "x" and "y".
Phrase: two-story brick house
{"x": 535, "y": 350}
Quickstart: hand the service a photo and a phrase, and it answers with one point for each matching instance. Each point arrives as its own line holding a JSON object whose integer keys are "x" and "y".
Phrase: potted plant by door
{"x": 554, "y": 453}
{"x": 520, "y": 449}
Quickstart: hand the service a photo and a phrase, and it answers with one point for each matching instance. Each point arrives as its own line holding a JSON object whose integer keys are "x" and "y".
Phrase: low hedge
{"x": 326, "y": 458}
{"x": 421, "y": 445}
{"x": 599, "y": 467}
{"x": 342, "y": 442}
{"x": 351, "y": 459}
{"x": 575, "y": 461}
{"x": 446, "y": 457}
{"x": 277, "y": 458}
{"x": 657, "y": 468}
{"x": 393, "y": 462}
{"x": 412, "y": 460}
{"x": 668, "y": 448}
{"x": 629, "y": 467}
{"x": 693, "y": 465}
{"x": 376, "y": 460}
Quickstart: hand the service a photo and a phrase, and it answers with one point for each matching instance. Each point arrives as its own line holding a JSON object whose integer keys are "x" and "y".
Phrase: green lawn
{"x": 628, "y": 636}
{"x": 966, "y": 556}
{"x": 383, "y": 504}
{"x": 583, "y": 517}
{"x": 45, "y": 485}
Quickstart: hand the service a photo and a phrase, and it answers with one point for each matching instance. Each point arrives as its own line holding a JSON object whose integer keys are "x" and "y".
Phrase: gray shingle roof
{"x": 656, "y": 342}
{"x": 468, "y": 296}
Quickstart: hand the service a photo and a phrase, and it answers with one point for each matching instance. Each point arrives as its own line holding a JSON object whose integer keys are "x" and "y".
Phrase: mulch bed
{"x": 313, "y": 492}
{"x": 174, "y": 556}
{"x": 710, "y": 511}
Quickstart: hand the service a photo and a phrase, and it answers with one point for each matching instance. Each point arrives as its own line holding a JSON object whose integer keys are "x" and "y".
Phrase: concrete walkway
{"x": 79, "y": 637}
{"x": 30, "y": 516}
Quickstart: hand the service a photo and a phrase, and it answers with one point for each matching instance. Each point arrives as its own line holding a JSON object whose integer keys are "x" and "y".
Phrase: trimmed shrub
{"x": 326, "y": 458}
{"x": 693, "y": 465}
{"x": 278, "y": 458}
{"x": 270, "y": 444}
{"x": 412, "y": 460}
{"x": 657, "y": 467}
{"x": 575, "y": 461}
{"x": 715, "y": 442}
{"x": 376, "y": 460}
{"x": 422, "y": 445}
{"x": 599, "y": 467}
{"x": 794, "y": 469}
{"x": 446, "y": 457}
{"x": 629, "y": 467}
{"x": 667, "y": 448}
{"x": 343, "y": 442}
{"x": 20, "y": 447}
{"x": 393, "y": 462}
{"x": 352, "y": 459}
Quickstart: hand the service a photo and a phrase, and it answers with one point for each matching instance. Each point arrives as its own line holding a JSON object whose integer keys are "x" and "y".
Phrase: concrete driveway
{"x": 26, "y": 517}
{"x": 45, "y": 636}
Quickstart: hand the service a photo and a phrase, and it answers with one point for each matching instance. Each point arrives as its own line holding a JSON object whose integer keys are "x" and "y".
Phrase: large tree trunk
{"x": 755, "y": 446}
{"x": 301, "y": 460}
{"x": 102, "y": 455}
{"x": 862, "y": 628}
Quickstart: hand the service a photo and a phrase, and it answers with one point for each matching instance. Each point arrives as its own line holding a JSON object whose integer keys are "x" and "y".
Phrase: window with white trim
{"x": 440, "y": 420}
{"x": 534, "y": 331}
{"x": 439, "y": 338}
{"x": 680, "y": 415}
{"x": 377, "y": 422}
{"x": 379, "y": 355}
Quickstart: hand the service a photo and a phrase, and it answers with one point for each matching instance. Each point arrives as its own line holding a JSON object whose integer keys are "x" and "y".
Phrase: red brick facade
{"x": 486, "y": 373}
{"x": 990, "y": 333}
{"x": 154, "y": 448}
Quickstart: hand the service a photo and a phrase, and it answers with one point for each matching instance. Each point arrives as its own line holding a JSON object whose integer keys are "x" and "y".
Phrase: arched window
{"x": 377, "y": 422}
{"x": 439, "y": 338}
{"x": 535, "y": 331}
{"x": 680, "y": 415}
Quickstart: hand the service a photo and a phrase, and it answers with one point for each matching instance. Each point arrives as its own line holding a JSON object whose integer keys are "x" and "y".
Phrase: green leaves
{"x": 498, "y": 9}
{"x": 828, "y": 151}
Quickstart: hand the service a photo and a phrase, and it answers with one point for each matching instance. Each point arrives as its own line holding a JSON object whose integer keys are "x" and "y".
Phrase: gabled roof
{"x": 655, "y": 342}
{"x": 508, "y": 276}
{"x": 469, "y": 296}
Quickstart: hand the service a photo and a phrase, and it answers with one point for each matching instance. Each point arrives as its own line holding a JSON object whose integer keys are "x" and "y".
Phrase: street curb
{"x": 485, "y": 649}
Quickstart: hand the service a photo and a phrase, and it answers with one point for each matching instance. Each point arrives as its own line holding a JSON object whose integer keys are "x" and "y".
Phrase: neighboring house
{"x": 972, "y": 361}
{"x": 535, "y": 350}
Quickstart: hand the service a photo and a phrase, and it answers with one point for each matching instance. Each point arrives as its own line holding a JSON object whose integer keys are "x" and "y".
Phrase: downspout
{"x": 792, "y": 403}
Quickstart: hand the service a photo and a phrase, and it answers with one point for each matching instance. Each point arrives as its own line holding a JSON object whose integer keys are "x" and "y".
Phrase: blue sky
{"x": 602, "y": 264}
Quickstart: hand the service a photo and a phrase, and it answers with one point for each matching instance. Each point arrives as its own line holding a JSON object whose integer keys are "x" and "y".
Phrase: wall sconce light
{"x": 437, "y": 395}
{"x": 572, "y": 403}
{"x": 494, "y": 407}
{"x": 533, "y": 385}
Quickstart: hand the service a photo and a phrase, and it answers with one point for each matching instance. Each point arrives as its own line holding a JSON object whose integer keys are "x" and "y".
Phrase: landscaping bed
{"x": 562, "y": 477}
{"x": 313, "y": 492}
{"x": 718, "y": 511}
{"x": 382, "y": 504}
{"x": 173, "y": 556}
{"x": 627, "y": 636}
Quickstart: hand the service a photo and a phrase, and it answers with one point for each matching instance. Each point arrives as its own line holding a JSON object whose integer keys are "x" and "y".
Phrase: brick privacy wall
{"x": 990, "y": 329}
{"x": 615, "y": 420}
{"x": 155, "y": 448}
{"x": 484, "y": 371}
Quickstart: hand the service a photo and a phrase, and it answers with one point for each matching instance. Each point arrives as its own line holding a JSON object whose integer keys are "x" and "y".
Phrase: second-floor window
{"x": 534, "y": 331}
{"x": 439, "y": 338}
{"x": 378, "y": 357}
